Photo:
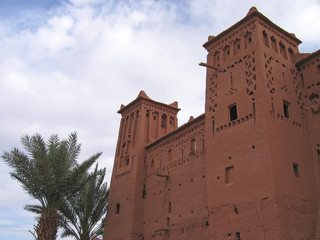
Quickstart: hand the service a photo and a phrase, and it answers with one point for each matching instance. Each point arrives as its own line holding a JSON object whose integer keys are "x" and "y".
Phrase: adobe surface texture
{"x": 247, "y": 168}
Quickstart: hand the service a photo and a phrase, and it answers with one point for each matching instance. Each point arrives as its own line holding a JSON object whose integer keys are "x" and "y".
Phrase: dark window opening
{"x": 226, "y": 52}
{"x": 274, "y": 44}
{"x": 286, "y": 109}
{"x": 152, "y": 164}
{"x": 290, "y": 52}
{"x": 296, "y": 170}
{"x": 237, "y": 236}
{"x": 283, "y": 50}
{"x": 168, "y": 221}
{"x": 265, "y": 39}
{"x": 193, "y": 145}
{"x": 144, "y": 191}
{"x": 118, "y": 208}
{"x": 318, "y": 66}
{"x": 236, "y": 210}
{"x": 164, "y": 121}
{"x": 169, "y": 207}
{"x": 233, "y": 112}
{"x": 170, "y": 154}
{"x": 127, "y": 161}
{"x": 248, "y": 39}
{"x": 229, "y": 175}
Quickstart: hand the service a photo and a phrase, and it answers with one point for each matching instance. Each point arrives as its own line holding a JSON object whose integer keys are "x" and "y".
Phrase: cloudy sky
{"x": 67, "y": 65}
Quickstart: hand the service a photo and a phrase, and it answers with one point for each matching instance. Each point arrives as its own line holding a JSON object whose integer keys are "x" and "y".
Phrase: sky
{"x": 67, "y": 66}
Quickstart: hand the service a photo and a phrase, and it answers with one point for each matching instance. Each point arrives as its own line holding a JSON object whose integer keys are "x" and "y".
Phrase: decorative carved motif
{"x": 158, "y": 153}
{"x": 250, "y": 74}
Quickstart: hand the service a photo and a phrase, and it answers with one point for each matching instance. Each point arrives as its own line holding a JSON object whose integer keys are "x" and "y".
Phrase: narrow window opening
{"x": 233, "y": 115}
{"x": 274, "y": 44}
{"x": 193, "y": 145}
{"x": 216, "y": 58}
{"x": 226, "y": 52}
{"x": 152, "y": 164}
{"x": 229, "y": 175}
{"x": 164, "y": 121}
{"x": 118, "y": 208}
{"x": 265, "y": 39}
{"x": 144, "y": 191}
{"x": 236, "y": 210}
{"x": 170, "y": 154}
{"x": 290, "y": 52}
{"x": 168, "y": 221}
{"x": 283, "y": 50}
{"x": 286, "y": 109}
{"x": 127, "y": 161}
{"x": 296, "y": 170}
{"x": 237, "y": 236}
{"x": 248, "y": 39}
{"x": 169, "y": 207}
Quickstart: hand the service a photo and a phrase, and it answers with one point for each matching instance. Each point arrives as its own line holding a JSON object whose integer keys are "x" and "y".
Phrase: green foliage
{"x": 82, "y": 214}
{"x": 49, "y": 172}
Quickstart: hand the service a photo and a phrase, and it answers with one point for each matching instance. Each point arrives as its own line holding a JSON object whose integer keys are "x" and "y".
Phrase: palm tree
{"x": 49, "y": 172}
{"x": 82, "y": 215}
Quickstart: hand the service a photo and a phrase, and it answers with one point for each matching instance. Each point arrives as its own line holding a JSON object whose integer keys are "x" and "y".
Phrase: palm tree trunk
{"x": 47, "y": 227}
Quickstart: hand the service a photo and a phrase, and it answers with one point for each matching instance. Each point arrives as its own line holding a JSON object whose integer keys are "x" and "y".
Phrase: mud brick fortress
{"x": 248, "y": 168}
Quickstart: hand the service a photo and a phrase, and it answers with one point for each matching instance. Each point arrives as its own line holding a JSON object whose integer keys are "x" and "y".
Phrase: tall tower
{"x": 143, "y": 121}
{"x": 259, "y": 161}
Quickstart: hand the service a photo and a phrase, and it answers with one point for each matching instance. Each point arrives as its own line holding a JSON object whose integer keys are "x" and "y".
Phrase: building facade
{"x": 247, "y": 168}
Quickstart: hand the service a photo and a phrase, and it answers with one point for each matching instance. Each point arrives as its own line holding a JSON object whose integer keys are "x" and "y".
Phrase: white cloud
{"x": 70, "y": 68}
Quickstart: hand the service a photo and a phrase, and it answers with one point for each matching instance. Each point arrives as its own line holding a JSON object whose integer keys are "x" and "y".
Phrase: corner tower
{"x": 143, "y": 121}
{"x": 259, "y": 160}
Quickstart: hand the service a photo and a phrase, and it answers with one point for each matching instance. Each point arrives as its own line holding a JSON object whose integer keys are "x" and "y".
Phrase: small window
{"x": 236, "y": 46}
{"x": 118, "y": 208}
{"x": 229, "y": 175}
{"x": 274, "y": 44}
{"x": 265, "y": 38}
{"x": 226, "y": 52}
{"x": 216, "y": 58}
{"x": 127, "y": 161}
{"x": 248, "y": 39}
{"x": 296, "y": 170}
{"x": 233, "y": 115}
{"x": 318, "y": 66}
{"x": 169, "y": 207}
{"x": 164, "y": 121}
{"x": 291, "y": 53}
{"x": 286, "y": 109}
{"x": 170, "y": 154}
{"x": 193, "y": 145}
{"x": 283, "y": 50}
{"x": 237, "y": 236}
